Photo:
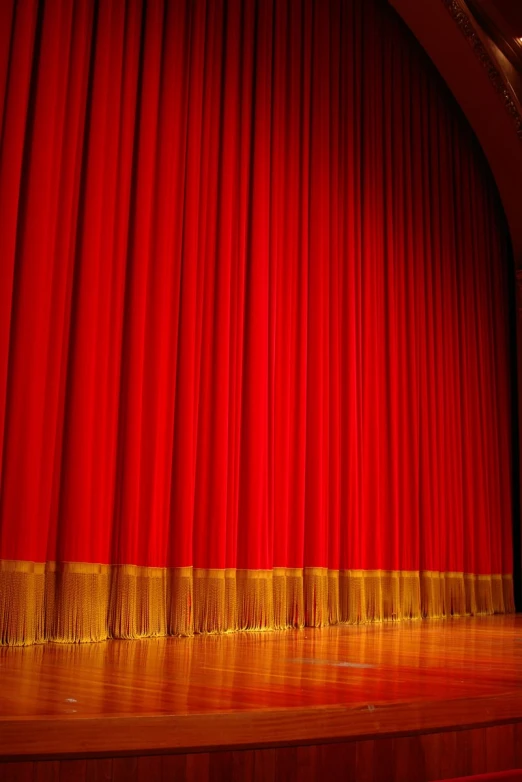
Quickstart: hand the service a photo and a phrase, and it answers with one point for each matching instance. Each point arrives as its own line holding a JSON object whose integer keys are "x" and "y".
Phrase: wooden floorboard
{"x": 437, "y": 697}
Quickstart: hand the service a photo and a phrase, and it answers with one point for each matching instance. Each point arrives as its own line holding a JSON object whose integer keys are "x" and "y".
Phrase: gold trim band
{"x": 80, "y": 602}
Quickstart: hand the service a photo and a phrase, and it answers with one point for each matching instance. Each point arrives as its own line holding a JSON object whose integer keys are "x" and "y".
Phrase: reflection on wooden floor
{"x": 296, "y": 689}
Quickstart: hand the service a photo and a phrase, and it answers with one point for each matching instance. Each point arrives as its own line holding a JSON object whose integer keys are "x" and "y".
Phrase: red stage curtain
{"x": 254, "y": 341}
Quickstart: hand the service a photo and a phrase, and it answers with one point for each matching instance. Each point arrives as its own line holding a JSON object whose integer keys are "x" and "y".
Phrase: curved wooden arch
{"x": 438, "y": 29}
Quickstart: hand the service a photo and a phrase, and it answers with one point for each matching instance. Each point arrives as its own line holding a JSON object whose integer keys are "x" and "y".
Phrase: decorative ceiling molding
{"x": 462, "y": 18}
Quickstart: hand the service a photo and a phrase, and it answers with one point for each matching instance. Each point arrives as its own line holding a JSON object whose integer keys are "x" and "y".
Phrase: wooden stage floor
{"x": 412, "y": 700}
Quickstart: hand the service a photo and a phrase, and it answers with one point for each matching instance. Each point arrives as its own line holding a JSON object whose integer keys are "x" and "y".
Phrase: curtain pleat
{"x": 255, "y": 354}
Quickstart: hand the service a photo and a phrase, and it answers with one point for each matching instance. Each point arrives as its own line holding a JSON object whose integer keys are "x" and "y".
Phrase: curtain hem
{"x": 81, "y": 602}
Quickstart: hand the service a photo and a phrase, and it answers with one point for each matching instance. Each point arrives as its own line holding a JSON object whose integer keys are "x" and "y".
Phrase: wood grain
{"x": 425, "y": 758}
{"x": 420, "y": 700}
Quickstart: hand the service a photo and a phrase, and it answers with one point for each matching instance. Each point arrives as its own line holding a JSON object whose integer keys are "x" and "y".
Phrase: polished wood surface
{"x": 391, "y": 684}
{"x": 423, "y": 758}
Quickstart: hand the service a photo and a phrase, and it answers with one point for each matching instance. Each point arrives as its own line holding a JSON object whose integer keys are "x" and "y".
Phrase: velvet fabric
{"x": 254, "y": 300}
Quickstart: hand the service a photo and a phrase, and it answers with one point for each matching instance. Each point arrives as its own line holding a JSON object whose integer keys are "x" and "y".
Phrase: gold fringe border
{"x": 79, "y": 602}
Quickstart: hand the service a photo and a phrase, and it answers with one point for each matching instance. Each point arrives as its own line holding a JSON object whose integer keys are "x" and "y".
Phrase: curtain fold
{"x": 255, "y": 363}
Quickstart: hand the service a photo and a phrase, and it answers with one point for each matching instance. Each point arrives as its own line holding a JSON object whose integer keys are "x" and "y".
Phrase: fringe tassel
{"x": 209, "y": 601}
{"x": 76, "y": 602}
{"x": 288, "y": 598}
{"x": 454, "y": 594}
{"x": 390, "y": 596}
{"x": 138, "y": 602}
{"x": 378, "y": 595}
{"x": 410, "y": 595}
{"x": 497, "y": 595}
{"x": 484, "y": 594}
{"x": 316, "y": 596}
{"x": 180, "y": 601}
{"x": 372, "y": 591}
{"x": 361, "y": 596}
{"x": 231, "y": 599}
{"x": 22, "y": 603}
{"x": 255, "y": 600}
{"x": 334, "y": 611}
{"x": 432, "y": 594}
{"x": 508, "y": 594}
{"x": 471, "y": 595}
{"x": 352, "y": 597}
